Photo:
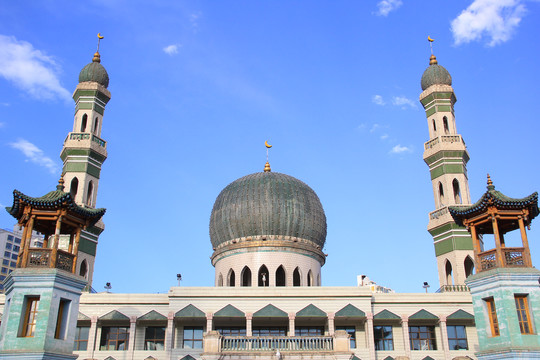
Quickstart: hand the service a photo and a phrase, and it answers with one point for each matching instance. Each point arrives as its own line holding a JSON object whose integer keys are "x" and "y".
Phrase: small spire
{"x": 60, "y": 186}
{"x": 433, "y": 60}
{"x": 490, "y": 185}
{"x": 267, "y": 167}
{"x": 97, "y": 58}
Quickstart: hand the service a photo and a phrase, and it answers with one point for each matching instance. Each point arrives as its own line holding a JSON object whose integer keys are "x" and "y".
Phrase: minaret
{"x": 85, "y": 151}
{"x": 446, "y": 155}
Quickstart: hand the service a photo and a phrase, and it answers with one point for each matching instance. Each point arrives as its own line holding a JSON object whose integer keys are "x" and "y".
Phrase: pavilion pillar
{"x": 46, "y": 241}
{"x": 76, "y": 250}
{"x": 498, "y": 247}
{"x": 26, "y": 243}
{"x": 525, "y": 241}
{"x": 56, "y": 239}
{"x": 477, "y": 249}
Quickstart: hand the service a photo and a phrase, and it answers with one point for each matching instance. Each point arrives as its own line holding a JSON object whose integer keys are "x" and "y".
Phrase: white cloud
{"x": 194, "y": 20}
{"x": 494, "y": 19}
{"x": 171, "y": 49}
{"x": 398, "y": 149}
{"x": 361, "y": 126}
{"x": 35, "y": 155}
{"x": 384, "y": 136}
{"x": 378, "y": 100}
{"x": 387, "y": 6}
{"x": 403, "y": 102}
{"x": 2, "y": 124}
{"x": 374, "y": 128}
{"x": 30, "y": 69}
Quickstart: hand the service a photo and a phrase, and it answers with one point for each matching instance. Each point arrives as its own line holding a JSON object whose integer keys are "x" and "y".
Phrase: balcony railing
{"x": 284, "y": 343}
{"x": 87, "y": 136}
{"x": 443, "y": 138}
{"x": 39, "y": 257}
{"x": 511, "y": 257}
{"x": 453, "y": 288}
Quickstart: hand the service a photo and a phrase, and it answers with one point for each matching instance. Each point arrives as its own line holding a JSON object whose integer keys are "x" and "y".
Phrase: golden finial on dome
{"x": 97, "y": 58}
{"x": 433, "y": 60}
{"x": 267, "y": 165}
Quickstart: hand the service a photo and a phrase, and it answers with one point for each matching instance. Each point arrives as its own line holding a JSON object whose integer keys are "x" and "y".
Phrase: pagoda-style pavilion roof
{"x": 54, "y": 200}
{"x": 494, "y": 198}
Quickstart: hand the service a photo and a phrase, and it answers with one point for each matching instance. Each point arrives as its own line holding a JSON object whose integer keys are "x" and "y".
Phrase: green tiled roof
{"x": 270, "y": 311}
{"x": 152, "y": 315}
{"x": 267, "y": 203}
{"x": 350, "y": 311}
{"x": 53, "y": 200}
{"x": 388, "y": 358}
{"x": 428, "y": 358}
{"x": 499, "y": 200}
{"x": 82, "y": 317}
{"x": 311, "y": 311}
{"x": 435, "y": 74}
{"x": 188, "y": 357}
{"x": 460, "y": 315}
{"x": 94, "y": 72}
{"x": 114, "y": 315}
{"x": 423, "y": 315}
{"x": 229, "y": 311}
{"x": 354, "y": 357}
{"x": 191, "y": 312}
{"x": 386, "y": 315}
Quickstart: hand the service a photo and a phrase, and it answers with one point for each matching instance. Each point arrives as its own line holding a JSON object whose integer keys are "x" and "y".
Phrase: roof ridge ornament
{"x": 60, "y": 186}
{"x": 490, "y": 185}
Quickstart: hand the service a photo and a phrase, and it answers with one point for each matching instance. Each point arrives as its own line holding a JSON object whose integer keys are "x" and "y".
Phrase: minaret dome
{"x": 95, "y": 72}
{"x": 435, "y": 74}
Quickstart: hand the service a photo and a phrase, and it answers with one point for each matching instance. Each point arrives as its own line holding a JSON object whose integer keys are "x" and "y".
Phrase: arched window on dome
{"x": 469, "y": 266}
{"x": 449, "y": 273}
{"x": 90, "y": 193}
{"x": 441, "y": 195}
{"x": 280, "y": 276}
{"x": 309, "y": 278}
{"x": 220, "y": 280}
{"x": 84, "y": 269}
{"x": 73, "y": 187}
{"x": 296, "y": 277}
{"x": 457, "y": 192}
{"x": 263, "y": 276}
{"x": 83, "y": 123}
{"x": 231, "y": 281}
{"x": 246, "y": 276}
{"x": 445, "y": 124}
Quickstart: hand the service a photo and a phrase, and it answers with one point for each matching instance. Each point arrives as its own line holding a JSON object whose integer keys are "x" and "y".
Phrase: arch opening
{"x": 90, "y": 193}
{"x": 263, "y": 279}
{"x": 296, "y": 277}
{"x": 280, "y": 276}
{"x": 231, "y": 278}
{"x": 310, "y": 278}
{"x": 84, "y": 122}
{"x": 96, "y": 122}
{"x": 469, "y": 266}
{"x": 83, "y": 271}
{"x": 220, "y": 280}
{"x": 434, "y": 126}
{"x": 73, "y": 187}
{"x": 246, "y": 277}
{"x": 457, "y": 192}
{"x": 445, "y": 125}
{"x": 441, "y": 195}
{"x": 448, "y": 269}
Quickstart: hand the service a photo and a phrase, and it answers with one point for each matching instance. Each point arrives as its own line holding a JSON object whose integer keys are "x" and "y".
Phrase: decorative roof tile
{"x": 190, "y": 311}
{"x": 114, "y": 315}
{"x": 350, "y": 311}
{"x": 229, "y": 311}
{"x": 152, "y": 315}
{"x": 311, "y": 311}
{"x": 386, "y": 315}
{"x": 423, "y": 315}
{"x": 270, "y": 311}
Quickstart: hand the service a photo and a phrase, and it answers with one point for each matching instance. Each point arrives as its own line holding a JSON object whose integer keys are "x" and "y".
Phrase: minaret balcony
{"x": 43, "y": 257}
{"x": 511, "y": 257}
{"x": 444, "y": 142}
{"x": 86, "y": 140}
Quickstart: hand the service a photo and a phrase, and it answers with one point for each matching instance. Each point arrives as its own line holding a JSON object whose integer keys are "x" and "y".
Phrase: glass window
{"x": 309, "y": 331}
{"x": 193, "y": 337}
{"x": 9, "y": 246}
{"x": 457, "y": 337}
{"x": 16, "y": 248}
{"x": 492, "y": 312}
{"x": 13, "y": 264}
{"x": 7, "y": 254}
{"x": 5, "y": 262}
{"x": 4, "y": 270}
{"x": 17, "y": 240}
{"x": 269, "y": 331}
{"x": 10, "y": 237}
{"x": 422, "y": 337}
{"x": 30, "y": 315}
{"x": 14, "y": 256}
{"x": 522, "y": 307}
{"x": 232, "y": 331}
{"x": 114, "y": 338}
{"x": 154, "y": 338}
{"x": 384, "y": 338}
{"x": 2, "y": 277}
{"x": 81, "y": 338}
{"x": 351, "y": 330}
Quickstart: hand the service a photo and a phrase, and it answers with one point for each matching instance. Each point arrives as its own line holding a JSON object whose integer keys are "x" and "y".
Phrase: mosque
{"x": 267, "y": 232}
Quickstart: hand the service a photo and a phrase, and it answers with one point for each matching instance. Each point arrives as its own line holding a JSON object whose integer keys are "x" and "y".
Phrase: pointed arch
{"x": 457, "y": 191}
{"x": 246, "y": 276}
{"x": 73, "y": 187}
{"x": 297, "y": 278}
{"x": 318, "y": 279}
{"x": 445, "y": 125}
{"x": 310, "y": 278}
{"x": 469, "y": 266}
{"x": 434, "y": 126}
{"x": 231, "y": 281}
{"x": 263, "y": 276}
{"x": 280, "y": 276}
{"x": 448, "y": 271}
{"x": 441, "y": 195}
{"x": 220, "y": 280}
{"x": 83, "y": 271}
{"x": 90, "y": 193}
{"x": 84, "y": 121}
{"x": 96, "y": 122}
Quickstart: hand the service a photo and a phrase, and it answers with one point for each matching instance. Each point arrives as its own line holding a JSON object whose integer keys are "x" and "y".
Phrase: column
{"x": 132, "y": 327}
{"x": 477, "y": 249}
{"x": 76, "y": 250}
{"x": 249, "y": 327}
{"x": 209, "y": 317}
{"x": 370, "y": 335}
{"x": 406, "y": 340}
{"x": 92, "y": 335}
{"x": 25, "y": 243}
{"x": 526, "y": 251}
{"x": 444, "y": 337}
{"x": 56, "y": 238}
{"x": 331, "y": 324}
{"x": 169, "y": 333}
{"x": 292, "y": 316}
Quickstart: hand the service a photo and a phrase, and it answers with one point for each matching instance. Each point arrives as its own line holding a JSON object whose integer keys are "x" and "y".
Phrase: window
{"x": 89, "y": 193}
{"x": 269, "y": 331}
{"x": 83, "y": 123}
{"x": 74, "y": 187}
{"x": 193, "y": 337}
{"x": 522, "y": 307}
{"x": 16, "y": 248}
{"x": 8, "y": 246}
{"x": 2, "y": 278}
{"x": 5, "y": 262}
{"x": 492, "y": 313}
{"x": 231, "y": 279}
{"x": 422, "y": 338}
{"x": 154, "y": 338}
{"x": 62, "y": 319}
{"x": 296, "y": 277}
{"x": 384, "y": 338}
{"x": 81, "y": 338}
{"x": 30, "y": 314}
{"x": 246, "y": 277}
{"x": 7, "y": 254}
{"x": 17, "y": 240}
{"x": 232, "y": 331}
{"x": 434, "y": 126}
{"x": 457, "y": 337}
{"x": 10, "y": 238}
{"x": 351, "y": 330}
{"x": 448, "y": 273}
{"x": 96, "y": 126}
{"x": 309, "y": 331}
{"x": 13, "y": 264}
{"x": 441, "y": 195}
{"x": 445, "y": 124}
{"x": 14, "y": 256}
{"x": 457, "y": 192}
{"x": 263, "y": 276}
{"x": 114, "y": 338}
{"x": 84, "y": 269}
{"x": 4, "y": 270}
{"x": 469, "y": 266}
{"x": 280, "y": 276}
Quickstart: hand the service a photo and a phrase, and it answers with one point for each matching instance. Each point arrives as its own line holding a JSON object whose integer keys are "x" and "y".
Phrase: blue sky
{"x": 198, "y": 86}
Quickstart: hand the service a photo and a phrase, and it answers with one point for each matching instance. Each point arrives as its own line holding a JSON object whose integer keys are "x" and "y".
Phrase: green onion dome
{"x": 435, "y": 74}
{"x": 95, "y": 72}
{"x": 267, "y": 204}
